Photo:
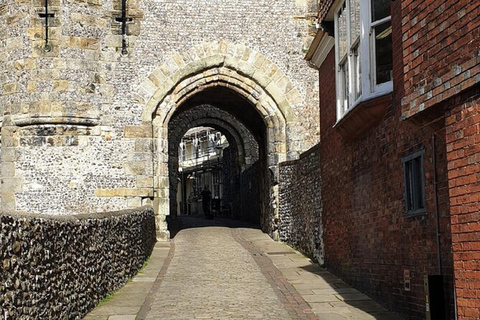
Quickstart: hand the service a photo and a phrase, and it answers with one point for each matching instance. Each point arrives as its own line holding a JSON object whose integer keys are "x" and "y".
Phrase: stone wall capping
{"x": 32, "y": 119}
{"x": 75, "y": 217}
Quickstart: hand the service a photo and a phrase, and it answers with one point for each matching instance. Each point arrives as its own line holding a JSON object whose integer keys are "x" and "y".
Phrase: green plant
{"x": 107, "y": 298}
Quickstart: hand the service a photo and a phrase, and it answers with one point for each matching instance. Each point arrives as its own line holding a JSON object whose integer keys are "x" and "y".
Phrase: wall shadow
{"x": 364, "y": 305}
{"x": 198, "y": 221}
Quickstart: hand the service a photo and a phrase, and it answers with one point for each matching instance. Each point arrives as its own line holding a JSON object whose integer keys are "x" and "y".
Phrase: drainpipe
{"x": 455, "y": 307}
{"x": 437, "y": 218}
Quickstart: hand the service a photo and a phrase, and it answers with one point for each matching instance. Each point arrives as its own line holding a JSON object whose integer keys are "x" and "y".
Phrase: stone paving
{"x": 217, "y": 270}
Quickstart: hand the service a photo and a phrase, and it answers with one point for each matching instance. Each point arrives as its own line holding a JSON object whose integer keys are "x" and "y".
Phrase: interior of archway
{"x": 243, "y": 168}
{"x": 231, "y": 102}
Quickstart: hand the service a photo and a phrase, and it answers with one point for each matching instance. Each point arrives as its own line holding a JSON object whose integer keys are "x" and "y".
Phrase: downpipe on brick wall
{"x": 437, "y": 218}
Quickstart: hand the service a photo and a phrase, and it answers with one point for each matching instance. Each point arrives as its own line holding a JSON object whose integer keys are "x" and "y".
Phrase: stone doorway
{"x": 236, "y": 97}
{"x": 243, "y": 185}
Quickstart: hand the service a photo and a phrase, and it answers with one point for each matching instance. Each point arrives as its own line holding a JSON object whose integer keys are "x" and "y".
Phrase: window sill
{"x": 363, "y": 116}
{"x": 416, "y": 213}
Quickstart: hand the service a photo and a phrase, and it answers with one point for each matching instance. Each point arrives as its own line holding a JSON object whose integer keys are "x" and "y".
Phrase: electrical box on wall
{"x": 434, "y": 297}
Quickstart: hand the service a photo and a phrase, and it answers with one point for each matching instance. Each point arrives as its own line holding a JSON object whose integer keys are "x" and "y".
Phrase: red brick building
{"x": 400, "y": 150}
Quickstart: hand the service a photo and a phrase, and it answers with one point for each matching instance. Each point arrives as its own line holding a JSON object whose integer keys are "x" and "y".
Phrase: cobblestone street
{"x": 211, "y": 276}
{"x": 216, "y": 270}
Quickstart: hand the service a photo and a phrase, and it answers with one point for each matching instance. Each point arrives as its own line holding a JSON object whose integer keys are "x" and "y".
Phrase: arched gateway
{"x": 94, "y": 99}
{"x": 250, "y": 93}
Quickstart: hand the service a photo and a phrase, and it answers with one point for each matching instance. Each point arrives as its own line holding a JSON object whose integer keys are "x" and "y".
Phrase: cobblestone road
{"x": 212, "y": 276}
{"x": 227, "y": 270}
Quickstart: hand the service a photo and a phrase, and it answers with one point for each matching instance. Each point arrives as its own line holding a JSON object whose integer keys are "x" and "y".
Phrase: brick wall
{"x": 463, "y": 154}
{"x": 300, "y": 211}
{"x": 436, "y": 84}
{"x": 369, "y": 241}
{"x": 441, "y": 41}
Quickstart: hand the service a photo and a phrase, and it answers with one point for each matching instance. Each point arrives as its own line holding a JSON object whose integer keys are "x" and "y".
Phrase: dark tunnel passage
{"x": 217, "y": 139}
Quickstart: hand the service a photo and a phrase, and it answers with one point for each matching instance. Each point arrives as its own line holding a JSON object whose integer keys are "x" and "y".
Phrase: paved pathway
{"x": 213, "y": 270}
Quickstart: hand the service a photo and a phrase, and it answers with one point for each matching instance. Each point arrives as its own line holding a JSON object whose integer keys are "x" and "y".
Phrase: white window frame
{"x": 366, "y": 49}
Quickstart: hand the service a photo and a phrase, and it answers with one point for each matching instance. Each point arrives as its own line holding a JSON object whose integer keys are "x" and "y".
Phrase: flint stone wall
{"x": 59, "y": 268}
{"x": 78, "y": 114}
{"x": 300, "y": 212}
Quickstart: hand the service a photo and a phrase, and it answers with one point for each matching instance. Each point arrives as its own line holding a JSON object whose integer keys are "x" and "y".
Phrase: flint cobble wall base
{"x": 58, "y": 268}
{"x": 300, "y": 204}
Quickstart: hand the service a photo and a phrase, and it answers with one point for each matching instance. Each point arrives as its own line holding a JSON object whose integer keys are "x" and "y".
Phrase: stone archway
{"x": 207, "y": 115}
{"x": 240, "y": 70}
{"x": 242, "y": 144}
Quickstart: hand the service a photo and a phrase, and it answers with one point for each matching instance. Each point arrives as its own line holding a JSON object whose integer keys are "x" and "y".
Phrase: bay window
{"x": 363, "y": 50}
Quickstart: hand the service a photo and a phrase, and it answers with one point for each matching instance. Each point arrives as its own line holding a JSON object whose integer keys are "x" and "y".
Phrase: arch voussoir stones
{"x": 233, "y": 66}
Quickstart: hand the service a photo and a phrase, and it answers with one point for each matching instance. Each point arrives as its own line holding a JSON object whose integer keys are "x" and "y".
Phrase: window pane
{"x": 357, "y": 73}
{"x": 380, "y": 9}
{"x": 409, "y": 186}
{"x": 383, "y": 53}
{"x": 342, "y": 33}
{"x": 417, "y": 165}
{"x": 414, "y": 183}
{"x": 354, "y": 19}
{"x": 345, "y": 81}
